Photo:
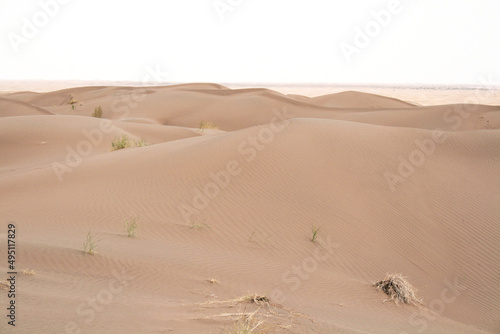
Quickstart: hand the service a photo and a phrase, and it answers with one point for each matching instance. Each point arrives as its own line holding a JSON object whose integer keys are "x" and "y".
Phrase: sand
{"x": 228, "y": 211}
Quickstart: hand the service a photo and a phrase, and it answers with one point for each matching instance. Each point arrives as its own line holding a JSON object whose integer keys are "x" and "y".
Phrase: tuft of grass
{"x": 120, "y": 143}
{"x": 247, "y": 324}
{"x": 314, "y": 231}
{"x": 398, "y": 289}
{"x": 28, "y": 272}
{"x": 213, "y": 281}
{"x": 207, "y": 125}
{"x": 97, "y": 112}
{"x": 131, "y": 227}
{"x": 199, "y": 226}
{"x": 252, "y": 298}
{"x": 257, "y": 238}
{"x": 142, "y": 142}
{"x": 73, "y": 107}
{"x": 72, "y": 100}
{"x": 90, "y": 244}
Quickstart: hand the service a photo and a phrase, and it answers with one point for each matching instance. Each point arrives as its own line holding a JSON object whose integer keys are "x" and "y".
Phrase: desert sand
{"x": 227, "y": 187}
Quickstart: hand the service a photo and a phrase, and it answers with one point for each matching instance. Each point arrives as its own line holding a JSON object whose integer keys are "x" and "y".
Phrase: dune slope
{"x": 225, "y": 213}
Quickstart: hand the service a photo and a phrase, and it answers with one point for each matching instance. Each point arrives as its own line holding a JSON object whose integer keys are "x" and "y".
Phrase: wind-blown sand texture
{"x": 227, "y": 212}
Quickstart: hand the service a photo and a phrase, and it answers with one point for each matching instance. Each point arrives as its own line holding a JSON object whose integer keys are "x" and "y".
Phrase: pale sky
{"x": 252, "y": 41}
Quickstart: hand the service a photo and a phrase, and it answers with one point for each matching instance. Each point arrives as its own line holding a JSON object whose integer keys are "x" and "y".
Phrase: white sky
{"x": 258, "y": 41}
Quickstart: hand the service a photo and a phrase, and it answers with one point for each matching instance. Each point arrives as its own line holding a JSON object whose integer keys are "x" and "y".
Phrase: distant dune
{"x": 227, "y": 186}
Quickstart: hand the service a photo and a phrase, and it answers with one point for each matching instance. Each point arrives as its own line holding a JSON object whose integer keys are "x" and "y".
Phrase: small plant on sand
{"x": 142, "y": 142}
{"x": 314, "y": 231}
{"x": 90, "y": 244}
{"x": 97, "y": 112}
{"x": 73, "y": 107}
{"x": 253, "y": 298}
{"x": 120, "y": 143}
{"x": 131, "y": 227}
{"x": 199, "y": 226}
{"x": 247, "y": 324}
{"x": 207, "y": 125}
{"x": 28, "y": 272}
{"x": 398, "y": 289}
{"x": 72, "y": 100}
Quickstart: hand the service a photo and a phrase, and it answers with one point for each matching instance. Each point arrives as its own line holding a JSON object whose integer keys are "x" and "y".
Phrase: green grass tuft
{"x": 120, "y": 143}
{"x": 142, "y": 142}
{"x": 90, "y": 244}
{"x": 97, "y": 112}
{"x": 199, "y": 226}
{"x": 131, "y": 226}
{"x": 207, "y": 125}
{"x": 315, "y": 231}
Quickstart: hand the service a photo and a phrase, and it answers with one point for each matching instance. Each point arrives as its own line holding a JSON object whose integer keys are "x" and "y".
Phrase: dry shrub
{"x": 249, "y": 325}
{"x": 254, "y": 298}
{"x": 207, "y": 125}
{"x": 398, "y": 289}
{"x": 28, "y": 272}
{"x": 97, "y": 112}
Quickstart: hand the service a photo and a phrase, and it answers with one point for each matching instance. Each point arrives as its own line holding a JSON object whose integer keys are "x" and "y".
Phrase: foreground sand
{"x": 225, "y": 213}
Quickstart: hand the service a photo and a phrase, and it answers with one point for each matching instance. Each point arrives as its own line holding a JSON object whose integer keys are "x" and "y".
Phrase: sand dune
{"x": 227, "y": 212}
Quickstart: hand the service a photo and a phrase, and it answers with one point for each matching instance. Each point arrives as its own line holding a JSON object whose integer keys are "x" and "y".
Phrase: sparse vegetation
{"x": 97, "y": 112}
{"x": 254, "y": 321}
{"x": 72, "y": 100}
{"x": 142, "y": 142}
{"x": 249, "y": 298}
{"x": 247, "y": 324}
{"x": 90, "y": 244}
{"x": 120, "y": 143}
{"x": 131, "y": 227}
{"x": 253, "y": 298}
{"x": 28, "y": 272}
{"x": 398, "y": 289}
{"x": 73, "y": 107}
{"x": 250, "y": 239}
{"x": 199, "y": 226}
{"x": 314, "y": 231}
{"x": 124, "y": 142}
{"x": 207, "y": 125}
{"x": 258, "y": 237}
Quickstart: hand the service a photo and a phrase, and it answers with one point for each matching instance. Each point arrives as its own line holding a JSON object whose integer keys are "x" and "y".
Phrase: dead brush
{"x": 253, "y": 298}
{"x": 398, "y": 289}
{"x": 247, "y": 324}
